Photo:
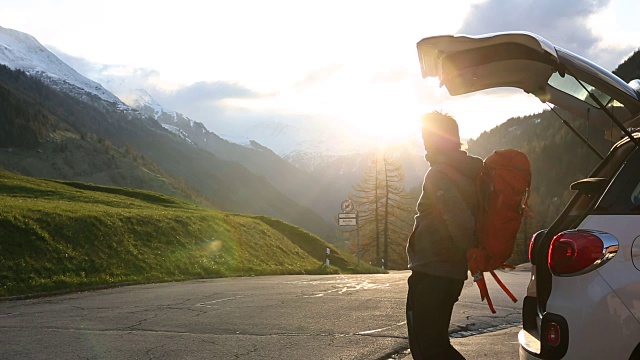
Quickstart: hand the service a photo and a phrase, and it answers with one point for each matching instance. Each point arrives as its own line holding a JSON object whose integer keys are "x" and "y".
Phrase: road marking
{"x": 341, "y": 286}
{"x": 8, "y": 314}
{"x": 219, "y": 300}
{"x": 381, "y": 329}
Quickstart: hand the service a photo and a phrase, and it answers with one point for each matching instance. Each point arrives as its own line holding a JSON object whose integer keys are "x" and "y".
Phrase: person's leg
{"x": 453, "y": 289}
{"x": 416, "y": 315}
{"x": 429, "y": 307}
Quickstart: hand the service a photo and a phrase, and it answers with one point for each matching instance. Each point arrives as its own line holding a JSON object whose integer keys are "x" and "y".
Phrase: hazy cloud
{"x": 201, "y": 101}
{"x": 79, "y": 64}
{"x": 205, "y": 91}
{"x": 563, "y": 23}
{"x": 118, "y": 79}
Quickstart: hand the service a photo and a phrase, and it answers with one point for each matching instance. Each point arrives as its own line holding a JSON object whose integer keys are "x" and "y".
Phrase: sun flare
{"x": 387, "y": 127}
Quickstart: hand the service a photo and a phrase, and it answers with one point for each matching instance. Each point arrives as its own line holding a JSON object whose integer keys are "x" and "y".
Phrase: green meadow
{"x": 68, "y": 236}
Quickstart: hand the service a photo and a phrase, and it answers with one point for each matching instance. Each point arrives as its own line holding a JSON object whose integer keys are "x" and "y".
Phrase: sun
{"x": 386, "y": 128}
{"x": 381, "y": 116}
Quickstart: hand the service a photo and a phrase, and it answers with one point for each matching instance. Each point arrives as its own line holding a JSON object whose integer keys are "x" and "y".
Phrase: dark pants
{"x": 429, "y": 306}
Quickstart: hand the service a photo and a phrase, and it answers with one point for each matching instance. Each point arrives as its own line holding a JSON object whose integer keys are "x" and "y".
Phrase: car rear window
{"x": 570, "y": 85}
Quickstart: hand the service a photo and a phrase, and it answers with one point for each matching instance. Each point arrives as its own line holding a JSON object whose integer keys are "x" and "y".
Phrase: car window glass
{"x": 570, "y": 85}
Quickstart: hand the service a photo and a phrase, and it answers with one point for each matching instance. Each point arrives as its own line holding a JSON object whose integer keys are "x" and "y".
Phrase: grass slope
{"x": 57, "y": 235}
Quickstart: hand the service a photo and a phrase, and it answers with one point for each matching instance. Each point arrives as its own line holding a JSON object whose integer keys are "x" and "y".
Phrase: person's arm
{"x": 455, "y": 212}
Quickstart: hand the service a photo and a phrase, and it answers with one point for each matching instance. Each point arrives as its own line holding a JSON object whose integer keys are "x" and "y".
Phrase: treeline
{"x": 630, "y": 68}
{"x": 21, "y": 123}
{"x": 35, "y": 106}
{"x": 30, "y": 111}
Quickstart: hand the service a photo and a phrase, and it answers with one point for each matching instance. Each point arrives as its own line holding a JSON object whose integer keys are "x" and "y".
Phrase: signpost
{"x": 326, "y": 259}
{"x": 349, "y": 217}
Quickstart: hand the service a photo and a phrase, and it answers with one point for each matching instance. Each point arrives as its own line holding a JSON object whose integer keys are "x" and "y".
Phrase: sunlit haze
{"x": 350, "y": 64}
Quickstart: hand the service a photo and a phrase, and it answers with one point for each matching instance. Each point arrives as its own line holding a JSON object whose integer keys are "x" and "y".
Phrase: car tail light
{"x": 552, "y": 334}
{"x": 577, "y": 252}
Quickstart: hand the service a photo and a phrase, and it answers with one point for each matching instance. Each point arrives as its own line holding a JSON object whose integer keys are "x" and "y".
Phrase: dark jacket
{"x": 444, "y": 225}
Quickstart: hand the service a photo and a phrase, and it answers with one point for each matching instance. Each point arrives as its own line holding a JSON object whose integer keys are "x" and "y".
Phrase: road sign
{"x": 347, "y": 206}
{"x": 346, "y": 216}
{"x": 347, "y": 222}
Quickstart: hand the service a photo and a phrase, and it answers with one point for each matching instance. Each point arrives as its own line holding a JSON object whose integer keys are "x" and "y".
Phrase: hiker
{"x": 442, "y": 234}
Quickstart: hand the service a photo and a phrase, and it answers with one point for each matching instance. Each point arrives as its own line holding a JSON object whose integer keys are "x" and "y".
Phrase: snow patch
{"x": 176, "y": 130}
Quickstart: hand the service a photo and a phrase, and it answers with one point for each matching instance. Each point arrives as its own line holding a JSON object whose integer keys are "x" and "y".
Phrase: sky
{"x": 351, "y": 66}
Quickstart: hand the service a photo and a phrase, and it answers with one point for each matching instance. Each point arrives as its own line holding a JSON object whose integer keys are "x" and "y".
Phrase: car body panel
{"x": 588, "y": 303}
{"x": 592, "y": 311}
{"x": 620, "y": 273}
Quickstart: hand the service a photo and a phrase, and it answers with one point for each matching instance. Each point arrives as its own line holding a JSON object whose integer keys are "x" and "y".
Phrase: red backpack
{"x": 503, "y": 188}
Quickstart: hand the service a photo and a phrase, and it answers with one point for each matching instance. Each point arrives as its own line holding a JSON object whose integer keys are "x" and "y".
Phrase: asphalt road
{"x": 271, "y": 317}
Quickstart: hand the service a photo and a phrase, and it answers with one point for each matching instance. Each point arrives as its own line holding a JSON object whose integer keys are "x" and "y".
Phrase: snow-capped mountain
{"x": 23, "y": 52}
{"x": 191, "y": 131}
{"x": 141, "y": 100}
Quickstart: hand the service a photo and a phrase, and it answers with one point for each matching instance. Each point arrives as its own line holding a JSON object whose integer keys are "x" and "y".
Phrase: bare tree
{"x": 384, "y": 213}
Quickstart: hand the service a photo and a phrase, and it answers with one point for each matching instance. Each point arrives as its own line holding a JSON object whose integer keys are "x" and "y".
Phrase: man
{"x": 442, "y": 234}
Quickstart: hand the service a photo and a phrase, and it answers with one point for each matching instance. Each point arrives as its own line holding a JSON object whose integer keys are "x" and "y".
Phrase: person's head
{"x": 440, "y": 133}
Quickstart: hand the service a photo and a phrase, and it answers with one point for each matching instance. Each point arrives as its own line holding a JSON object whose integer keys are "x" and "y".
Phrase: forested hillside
{"x": 630, "y": 68}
